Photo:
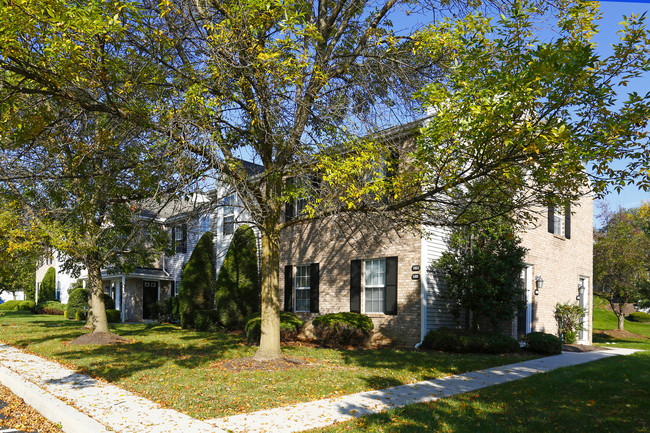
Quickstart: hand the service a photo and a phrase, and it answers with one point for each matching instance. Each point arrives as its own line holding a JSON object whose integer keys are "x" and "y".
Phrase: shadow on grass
{"x": 602, "y": 396}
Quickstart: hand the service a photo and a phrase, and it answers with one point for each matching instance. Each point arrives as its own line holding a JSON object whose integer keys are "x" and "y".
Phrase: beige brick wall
{"x": 560, "y": 262}
{"x": 333, "y": 244}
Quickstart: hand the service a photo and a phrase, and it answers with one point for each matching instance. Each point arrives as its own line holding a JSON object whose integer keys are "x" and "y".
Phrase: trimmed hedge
{"x": 197, "y": 282}
{"x": 342, "y": 329}
{"x": 78, "y": 299}
{"x": 451, "y": 340}
{"x": 639, "y": 316}
{"x": 206, "y": 320}
{"x": 113, "y": 316}
{"x": 54, "y": 308}
{"x": 540, "y": 342}
{"x": 290, "y": 325}
{"x": 15, "y": 305}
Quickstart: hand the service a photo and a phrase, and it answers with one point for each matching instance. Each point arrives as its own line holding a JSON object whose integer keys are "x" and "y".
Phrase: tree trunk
{"x": 621, "y": 320}
{"x": 270, "y": 328}
{"x": 97, "y": 321}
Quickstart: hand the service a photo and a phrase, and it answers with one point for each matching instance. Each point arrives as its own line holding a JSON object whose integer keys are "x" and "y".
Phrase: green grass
{"x": 610, "y": 395}
{"x": 182, "y": 369}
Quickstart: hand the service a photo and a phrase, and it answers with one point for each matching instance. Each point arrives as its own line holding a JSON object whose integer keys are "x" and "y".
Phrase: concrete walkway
{"x": 85, "y": 405}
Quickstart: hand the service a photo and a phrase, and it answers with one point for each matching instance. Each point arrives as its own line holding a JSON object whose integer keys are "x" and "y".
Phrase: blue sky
{"x": 613, "y": 12}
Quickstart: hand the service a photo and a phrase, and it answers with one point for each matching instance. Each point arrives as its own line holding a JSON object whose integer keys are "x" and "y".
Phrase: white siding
{"x": 436, "y": 312}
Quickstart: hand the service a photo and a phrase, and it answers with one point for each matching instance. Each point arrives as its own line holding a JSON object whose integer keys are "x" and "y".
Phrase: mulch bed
{"x": 17, "y": 414}
{"x": 250, "y": 364}
{"x": 580, "y": 348}
{"x": 617, "y": 333}
{"x": 101, "y": 338}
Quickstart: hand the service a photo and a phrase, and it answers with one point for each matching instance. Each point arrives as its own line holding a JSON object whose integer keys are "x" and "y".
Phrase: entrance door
{"x": 525, "y": 317}
{"x": 583, "y": 301}
{"x": 149, "y": 296}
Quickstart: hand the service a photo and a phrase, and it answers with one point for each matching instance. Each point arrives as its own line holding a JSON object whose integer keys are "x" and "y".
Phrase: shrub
{"x": 77, "y": 301}
{"x": 197, "y": 282}
{"x": 15, "y": 305}
{"x": 541, "y": 342}
{"x": 449, "y": 340}
{"x": 165, "y": 311}
{"x": 290, "y": 325}
{"x": 54, "y": 308}
{"x": 79, "y": 315}
{"x": 237, "y": 292}
{"x": 639, "y": 316}
{"x": 206, "y": 320}
{"x": 113, "y": 316}
{"x": 342, "y": 329}
{"x": 47, "y": 292}
{"x": 569, "y": 321}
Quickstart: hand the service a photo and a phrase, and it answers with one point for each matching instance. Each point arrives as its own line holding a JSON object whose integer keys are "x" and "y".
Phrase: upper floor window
{"x": 229, "y": 203}
{"x": 559, "y": 223}
{"x": 179, "y": 238}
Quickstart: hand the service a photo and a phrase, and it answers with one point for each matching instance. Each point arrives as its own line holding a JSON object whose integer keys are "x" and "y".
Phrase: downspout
{"x": 423, "y": 291}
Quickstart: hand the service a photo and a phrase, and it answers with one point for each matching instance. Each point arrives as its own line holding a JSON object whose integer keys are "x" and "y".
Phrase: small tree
{"x": 197, "y": 282}
{"x": 621, "y": 260}
{"x": 569, "y": 321}
{"x": 482, "y": 271}
{"x": 47, "y": 291}
{"x": 238, "y": 290}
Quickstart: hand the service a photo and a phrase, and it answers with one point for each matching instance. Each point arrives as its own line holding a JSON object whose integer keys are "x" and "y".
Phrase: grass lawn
{"x": 611, "y": 395}
{"x": 184, "y": 370}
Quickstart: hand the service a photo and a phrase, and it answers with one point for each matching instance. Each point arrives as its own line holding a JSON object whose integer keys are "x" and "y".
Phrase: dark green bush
{"x": 113, "y": 316}
{"x": 77, "y": 301}
{"x": 165, "y": 311}
{"x": 206, "y": 320}
{"x": 452, "y": 340}
{"x": 15, "y": 305}
{"x": 639, "y": 316}
{"x": 47, "y": 291}
{"x": 54, "y": 308}
{"x": 290, "y": 325}
{"x": 237, "y": 292}
{"x": 540, "y": 342}
{"x": 79, "y": 315}
{"x": 197, "y": 282}
{"x": 342, "y": 329}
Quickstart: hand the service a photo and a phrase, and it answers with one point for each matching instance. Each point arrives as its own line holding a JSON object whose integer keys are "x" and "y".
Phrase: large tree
{"x": 621, "y": 260}
{"x": 293, "y": 86}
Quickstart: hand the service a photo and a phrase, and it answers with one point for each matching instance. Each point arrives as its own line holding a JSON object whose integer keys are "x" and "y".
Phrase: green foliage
{"x": 569, "y": 319}
{"x": 166, "y": 311}
{"x": 197, "y": 282}
{"x": 79, "y": 315}
{"x": 290, "y": 325}
{"x": 342, "y": 329}
{"x": 77, "y": 302}
{"x": 540, "y": 342}
{"x": 113, "y": 316}
{"x": 15, "y": 305}
{"x": 482, "y": 272}
{"x": 50, "y": 307}
{"x": 639, "y": 316}
{"x": 237, "y": 289}
{"x": 206, "y": 320}
{"x": 450, "y": 340}
{"x": 47, "y": 291}
{"x": 622, "y": 258}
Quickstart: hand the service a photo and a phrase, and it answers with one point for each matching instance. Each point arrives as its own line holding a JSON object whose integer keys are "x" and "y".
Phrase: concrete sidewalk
{"x": 85, "y": 405}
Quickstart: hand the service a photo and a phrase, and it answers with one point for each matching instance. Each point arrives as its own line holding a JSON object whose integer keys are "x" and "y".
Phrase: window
{"x": 179, "y": 238}
{"x": 204, "y": 223}
{"x": 559, "y": 223}
{"x": 57, "y": 294}
{"x": 176, "y": 286}
{"x": 303, "y": 284}
{"x": 229, "y": 214}
{"x": 374, "y": 285}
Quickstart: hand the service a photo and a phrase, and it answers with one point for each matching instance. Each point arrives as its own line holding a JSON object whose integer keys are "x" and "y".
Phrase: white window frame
{"x": 229, "y": 203}
{"x": 302, "y": 275}
{"x": 372, "y": 288}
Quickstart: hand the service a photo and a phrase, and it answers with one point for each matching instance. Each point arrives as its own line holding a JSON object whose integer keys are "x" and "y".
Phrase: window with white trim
{"x": 229, "y": 214}
{"x": 302, "y": 288}
{"x": 374, "y": 279}
{"x": 558, "y": 223}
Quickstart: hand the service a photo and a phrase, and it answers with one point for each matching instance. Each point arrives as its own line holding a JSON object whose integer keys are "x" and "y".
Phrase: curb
{"x": 70, "y": 419}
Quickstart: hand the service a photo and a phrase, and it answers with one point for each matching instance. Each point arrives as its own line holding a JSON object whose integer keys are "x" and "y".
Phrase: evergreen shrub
{"x": 541, "y": 342}
{"x": 290, "y": 325}
{"x": 342, "y": 329}
{"x": 206, "y": 320}
{"x": 452, "y": 340}
{"x": 639, "y": 316}
{"x": 197, "y": 282}
{"x": 47, "y": 292}
{"x": 113, "y": 316}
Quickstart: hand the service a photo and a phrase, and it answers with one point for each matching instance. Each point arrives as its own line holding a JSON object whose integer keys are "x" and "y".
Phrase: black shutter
{"x": 184, "y": 241}
{"x": 289, "y": 207}
{"x": 288, "y": 288}
{"x": 314, "y": 280}
{"x": 567, "y": 222}
{"x": 173, "y": 239}
{"x": 355, "y": 286}
{"x": 551, "y": 223}
{"x": 391, "y": 286}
